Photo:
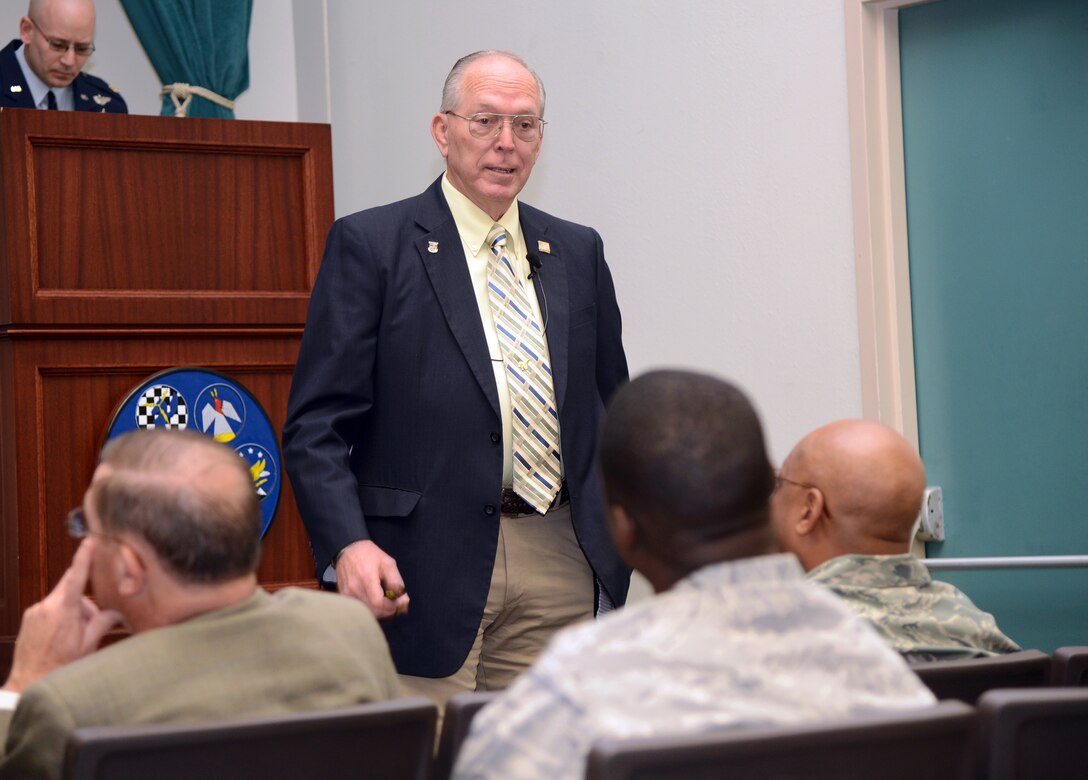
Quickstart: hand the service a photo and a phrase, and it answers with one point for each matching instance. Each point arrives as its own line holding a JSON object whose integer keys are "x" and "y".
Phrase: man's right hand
{"x": 62, "y": 627}
{"x": 365, "y": 572}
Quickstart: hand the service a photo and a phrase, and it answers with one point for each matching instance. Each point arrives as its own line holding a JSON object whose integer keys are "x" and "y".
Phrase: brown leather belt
{"x": 513, "y": 504}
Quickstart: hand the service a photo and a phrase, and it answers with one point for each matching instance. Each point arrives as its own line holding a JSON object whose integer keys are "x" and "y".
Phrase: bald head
{"x": 860, "y": 490}
{"x": 189, "y": 497}
{"x": 76, "y": 10}
{"x": 452, "y": 89}
{"x": 70, "y": 21}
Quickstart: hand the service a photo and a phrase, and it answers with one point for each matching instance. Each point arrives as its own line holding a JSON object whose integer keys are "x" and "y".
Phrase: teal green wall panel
{"x": 995, "y": 106}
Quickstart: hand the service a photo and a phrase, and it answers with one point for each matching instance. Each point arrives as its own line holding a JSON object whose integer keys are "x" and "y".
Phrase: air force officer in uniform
{"x": 42, "y": 68}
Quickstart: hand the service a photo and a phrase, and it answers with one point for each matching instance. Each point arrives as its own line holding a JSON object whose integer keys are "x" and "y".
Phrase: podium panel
{"x": 74, "y": 384}
{"x": 129, "y": 245}
{"x": 138, "y": 220}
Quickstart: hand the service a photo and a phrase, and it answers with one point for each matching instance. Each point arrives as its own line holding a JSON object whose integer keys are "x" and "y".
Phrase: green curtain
{"x": 199, "y": 42}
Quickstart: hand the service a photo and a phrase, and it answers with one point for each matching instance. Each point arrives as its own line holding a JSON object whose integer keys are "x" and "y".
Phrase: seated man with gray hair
{"x": 735, "y": 637}
{"x": 846, "y": 503}
{"x": 170, "y": 530}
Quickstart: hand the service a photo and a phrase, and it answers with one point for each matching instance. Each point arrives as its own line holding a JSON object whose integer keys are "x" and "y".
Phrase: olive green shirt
{"x": 291, "y": 651}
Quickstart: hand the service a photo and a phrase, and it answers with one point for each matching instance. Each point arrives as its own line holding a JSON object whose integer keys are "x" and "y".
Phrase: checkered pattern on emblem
{"x": 167, "y": 402}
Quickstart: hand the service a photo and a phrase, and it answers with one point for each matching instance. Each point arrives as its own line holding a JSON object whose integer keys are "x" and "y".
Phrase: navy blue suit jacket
{"x": 91, "y": 93}
{"x": 393, "y": 430}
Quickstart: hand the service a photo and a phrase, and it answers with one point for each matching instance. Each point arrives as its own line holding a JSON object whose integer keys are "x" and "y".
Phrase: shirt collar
{"x": 474, "y": 224}
{"x": 877, "y": 571}
{"x": 777, "y": 567}
{"x": 38, "y": 88}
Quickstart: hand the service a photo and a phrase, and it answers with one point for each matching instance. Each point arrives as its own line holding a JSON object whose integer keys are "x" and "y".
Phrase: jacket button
{"x": 489, "y": 510}
{"x": 495, "y": 437}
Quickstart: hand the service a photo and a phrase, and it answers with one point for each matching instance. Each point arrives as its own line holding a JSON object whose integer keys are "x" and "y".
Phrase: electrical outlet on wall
{"x": 931, "y": 515}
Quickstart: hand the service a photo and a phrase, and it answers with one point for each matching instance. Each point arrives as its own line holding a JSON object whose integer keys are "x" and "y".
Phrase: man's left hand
{"x": 62, "y": 627}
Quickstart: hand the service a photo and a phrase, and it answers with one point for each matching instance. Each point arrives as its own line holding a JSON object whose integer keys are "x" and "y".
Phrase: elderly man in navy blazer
{"x": 458, "y": 354}
{"x": 42, "y": 68}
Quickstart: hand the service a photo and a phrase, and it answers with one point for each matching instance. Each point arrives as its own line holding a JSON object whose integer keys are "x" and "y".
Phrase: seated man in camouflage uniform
{"x": 845, "y": 504}
{"x": 735, "y": 636}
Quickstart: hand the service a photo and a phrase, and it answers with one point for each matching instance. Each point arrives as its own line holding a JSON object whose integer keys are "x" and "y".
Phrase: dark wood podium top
{"x": 146, "y": 220}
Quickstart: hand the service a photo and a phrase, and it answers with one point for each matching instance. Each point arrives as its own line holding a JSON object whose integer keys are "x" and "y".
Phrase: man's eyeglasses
{"x": 60, "y": 46}
{"x": 779, "y": 479}
{"x": 76, "y": 522}
{"x": 525, "y": 126}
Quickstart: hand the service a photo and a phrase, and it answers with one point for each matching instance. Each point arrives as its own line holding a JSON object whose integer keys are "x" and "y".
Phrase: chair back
{"x": 934, "y": 743}
{"x": 391, "y": 740}
{"x": 460, "y": 710}
{"x": 1033, "y": 734}
{"x": 1069, "y": 667}
{"x": 969, "y": 679}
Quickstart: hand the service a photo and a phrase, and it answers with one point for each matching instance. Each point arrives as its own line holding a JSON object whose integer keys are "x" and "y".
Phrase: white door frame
{"x": 886, "y": 334}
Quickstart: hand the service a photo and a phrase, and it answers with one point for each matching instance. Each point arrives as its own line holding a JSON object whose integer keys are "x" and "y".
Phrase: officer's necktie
{"x": 533, "y": 417}
{"x": 51, "y": 101}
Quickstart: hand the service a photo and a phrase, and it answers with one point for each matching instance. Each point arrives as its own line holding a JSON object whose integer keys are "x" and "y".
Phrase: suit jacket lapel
{"x": 552, "y": 297}
{"x": 452, "y": 285}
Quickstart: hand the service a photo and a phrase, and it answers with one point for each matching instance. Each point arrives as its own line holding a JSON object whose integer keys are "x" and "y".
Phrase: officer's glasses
{"x": 60, "y": 46}
{"x": 525, "y": 126}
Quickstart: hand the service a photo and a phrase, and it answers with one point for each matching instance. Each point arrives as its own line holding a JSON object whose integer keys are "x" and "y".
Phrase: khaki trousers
{"x": 540, "y": 583}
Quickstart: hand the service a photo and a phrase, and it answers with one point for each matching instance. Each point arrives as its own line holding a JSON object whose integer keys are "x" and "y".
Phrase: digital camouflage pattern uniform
{"x": 737, "y": 644}
{"x": 924, "y": 619}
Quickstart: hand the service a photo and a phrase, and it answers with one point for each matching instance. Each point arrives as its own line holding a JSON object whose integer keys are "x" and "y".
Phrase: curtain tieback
{"x": 182, "y": 95}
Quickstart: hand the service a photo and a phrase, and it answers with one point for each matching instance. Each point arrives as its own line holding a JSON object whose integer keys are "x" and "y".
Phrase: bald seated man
{"x": 845, "y": 504}
{"x": 735, "y": 636}
{"x": 170, "y": 529}
{"x": 43, "y": 67}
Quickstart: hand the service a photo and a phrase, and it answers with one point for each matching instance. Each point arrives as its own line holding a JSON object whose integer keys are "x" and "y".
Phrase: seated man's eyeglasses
{"x": 779, "y": 480}
{"x": 525, "y": 126}
{"x": 76, "y": 523}
{"x": 60, "y": 46}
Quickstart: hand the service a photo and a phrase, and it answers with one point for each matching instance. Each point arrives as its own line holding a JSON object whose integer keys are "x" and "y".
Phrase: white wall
{"x": 706, "y": 140}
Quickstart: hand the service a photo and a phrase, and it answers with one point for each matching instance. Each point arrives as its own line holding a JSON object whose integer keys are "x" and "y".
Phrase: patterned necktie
{"x": 51, "y": 101}
{"x": 533, "y": 417}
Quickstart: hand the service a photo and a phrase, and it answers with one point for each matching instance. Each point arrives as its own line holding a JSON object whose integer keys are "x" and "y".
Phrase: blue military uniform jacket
{"x": 91, "y": 93}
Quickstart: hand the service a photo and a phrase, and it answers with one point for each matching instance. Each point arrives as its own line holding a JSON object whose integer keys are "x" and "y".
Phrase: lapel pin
{"x": 16, "y": 88}
{"x": 432, "y": 247}
{"x": 101, "y": 99}
{"x": 544, "y": 247}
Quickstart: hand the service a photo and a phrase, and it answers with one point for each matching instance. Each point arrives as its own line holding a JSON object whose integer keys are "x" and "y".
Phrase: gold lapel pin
{"x": 544, "y": 246}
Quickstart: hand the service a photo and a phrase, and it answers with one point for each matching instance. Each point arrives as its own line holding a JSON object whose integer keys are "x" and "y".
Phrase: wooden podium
{"x": 129, "y": 244}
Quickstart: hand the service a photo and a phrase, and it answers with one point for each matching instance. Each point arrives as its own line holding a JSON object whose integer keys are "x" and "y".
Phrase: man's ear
{"x": 25, "y": 27}
{"x": 625, "y": 532}
{"x": 440, "y": 127}
{"x": 131, "y": 571}
{"x": 813, "y": 512}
